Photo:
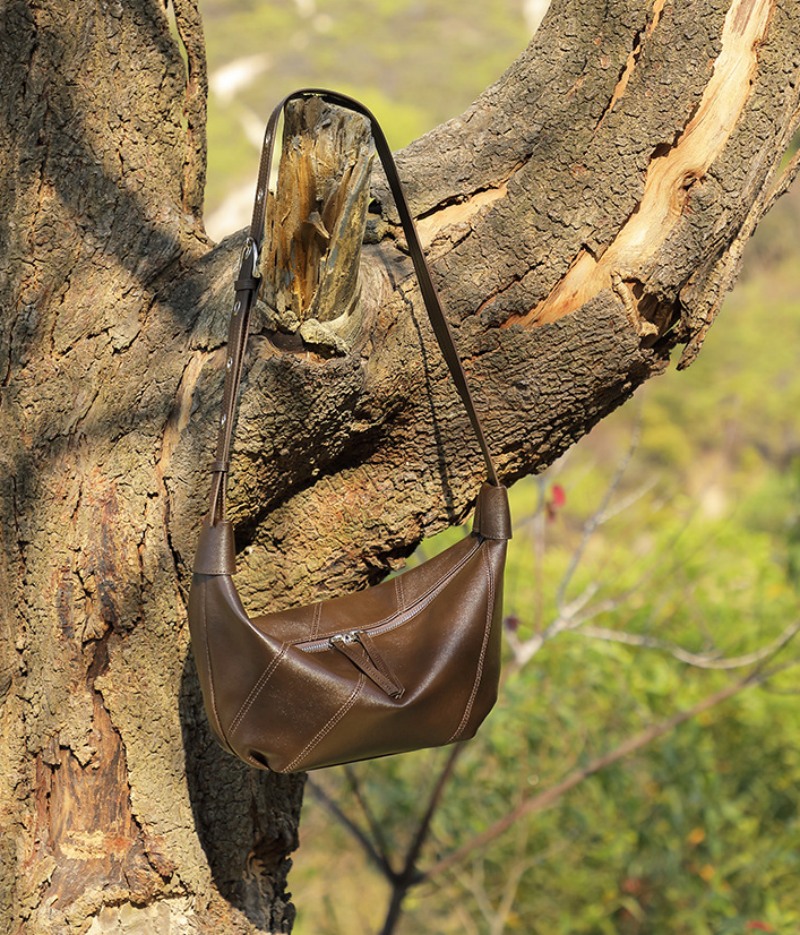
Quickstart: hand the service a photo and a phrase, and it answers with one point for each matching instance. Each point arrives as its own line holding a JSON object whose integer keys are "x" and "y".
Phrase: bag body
{"x": 410, "y": 663}
{"x": 413, "y": 662}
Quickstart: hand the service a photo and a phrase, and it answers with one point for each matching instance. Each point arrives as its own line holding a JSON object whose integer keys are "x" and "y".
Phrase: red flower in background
{"x": 555, "y": 501}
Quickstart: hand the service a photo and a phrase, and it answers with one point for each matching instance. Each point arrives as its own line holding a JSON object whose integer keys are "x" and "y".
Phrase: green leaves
{"x": 645, "y": 597}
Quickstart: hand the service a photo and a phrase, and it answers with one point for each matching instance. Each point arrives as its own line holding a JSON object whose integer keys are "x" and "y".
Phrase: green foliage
{"x": 697, "y": 549}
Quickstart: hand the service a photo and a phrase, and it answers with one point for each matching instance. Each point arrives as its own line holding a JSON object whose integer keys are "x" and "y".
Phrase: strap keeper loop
{"x": 220, "y": 467}
{"x": 247, "y": 284}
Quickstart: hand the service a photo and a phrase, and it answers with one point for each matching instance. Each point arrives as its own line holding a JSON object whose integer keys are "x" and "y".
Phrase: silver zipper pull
{"x": 360, "y": 649}
{"x": 344, "y": 638}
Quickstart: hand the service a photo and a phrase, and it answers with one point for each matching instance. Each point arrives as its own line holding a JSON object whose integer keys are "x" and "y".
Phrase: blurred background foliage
{"x": 693, "y": 560}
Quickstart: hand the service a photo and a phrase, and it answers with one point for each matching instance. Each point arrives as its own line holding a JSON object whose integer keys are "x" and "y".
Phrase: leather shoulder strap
{"x": 247, "y": 283}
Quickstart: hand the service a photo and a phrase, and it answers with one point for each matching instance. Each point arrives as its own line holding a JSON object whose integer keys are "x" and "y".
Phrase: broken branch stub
{"x": 315, "y": 222}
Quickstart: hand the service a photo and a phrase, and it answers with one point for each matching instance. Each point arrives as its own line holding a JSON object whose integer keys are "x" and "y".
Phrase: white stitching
{"x": 397, "y": 619}
{"x": 329, "y": 726}
{"x": 316, "y": 619}
{"x": 255, "y": 691}
{"x": 487, "y": 630}
{"x": 398, "y": 590}
{"x": 210, "y": 672}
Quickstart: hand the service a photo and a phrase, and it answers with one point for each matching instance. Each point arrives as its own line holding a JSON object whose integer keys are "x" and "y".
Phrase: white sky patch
{"x": 533, "y": 11}
{"x": 228, "y": 81}
{"x": 253, "y": 126}
{"x": 233, "y": 214}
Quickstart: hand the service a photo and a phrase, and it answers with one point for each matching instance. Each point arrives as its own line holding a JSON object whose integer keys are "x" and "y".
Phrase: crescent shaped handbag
{"x": 410, "y": 663}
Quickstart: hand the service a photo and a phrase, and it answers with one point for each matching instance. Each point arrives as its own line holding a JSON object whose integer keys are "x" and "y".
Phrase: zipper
{"x": 359, "y": 648}
{"x": 347, "y": 637}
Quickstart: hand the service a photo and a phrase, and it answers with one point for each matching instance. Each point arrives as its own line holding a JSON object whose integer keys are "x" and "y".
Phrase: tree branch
{"x": 549, "y": 797}
{"x": 379, "y": 860}
{"x": 699, "y": 660}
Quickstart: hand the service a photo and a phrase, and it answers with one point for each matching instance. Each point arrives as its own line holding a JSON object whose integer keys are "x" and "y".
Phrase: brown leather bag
{"x": 413, "y": 662}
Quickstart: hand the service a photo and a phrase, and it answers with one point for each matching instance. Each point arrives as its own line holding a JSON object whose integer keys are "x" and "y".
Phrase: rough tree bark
{"x": 584, "y": 216}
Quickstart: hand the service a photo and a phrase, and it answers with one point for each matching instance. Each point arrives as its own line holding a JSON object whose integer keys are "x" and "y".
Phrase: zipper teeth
{"x": 396, "y": 620}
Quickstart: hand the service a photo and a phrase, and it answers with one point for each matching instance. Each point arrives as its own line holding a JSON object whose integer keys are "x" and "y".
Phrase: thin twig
{"x": 549, "y": 797}
{"x": 409, "y": 876}
{"x": 625, "y": 503}
{"x": 539, "y": 547}
{"x": 700, "y": 660}
{"x": 374, "y": 825}
{"x": 568, "y": 620}
{"x": 595, "y": 520}
{"x": 412, "y": 855}
{"x": 380, "y": 862}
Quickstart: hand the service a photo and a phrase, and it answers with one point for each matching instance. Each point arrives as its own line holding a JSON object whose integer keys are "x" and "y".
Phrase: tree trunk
{"x": 583, "y": 217}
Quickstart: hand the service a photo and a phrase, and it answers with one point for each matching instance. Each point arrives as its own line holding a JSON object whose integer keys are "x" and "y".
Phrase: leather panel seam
{"x": 255, "y": 691}
{"x": 486, "y": 632}
{"x": 324, "y": 731}
{"x": 211, "y": 675}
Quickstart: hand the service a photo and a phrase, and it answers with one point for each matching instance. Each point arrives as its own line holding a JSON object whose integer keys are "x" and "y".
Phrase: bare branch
{"x": 596, "y": 519}
{"x": 410, "y": 872}
{"x": 496, "y": 917}
{"x": 700, "y": 660}
{"x": 373, "y": 823}
{"x": 549, "y": 797}
{"x": 570, "y": 619}
{"x": 376, "y": 858}
{"x": 624, "y": 503}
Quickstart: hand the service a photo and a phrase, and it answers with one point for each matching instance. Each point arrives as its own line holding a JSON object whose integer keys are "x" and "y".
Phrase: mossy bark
{"x": 583, "y": 217}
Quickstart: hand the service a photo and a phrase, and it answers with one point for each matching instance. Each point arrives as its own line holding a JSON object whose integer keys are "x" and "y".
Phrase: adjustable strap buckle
{"x": 249, "y": 278}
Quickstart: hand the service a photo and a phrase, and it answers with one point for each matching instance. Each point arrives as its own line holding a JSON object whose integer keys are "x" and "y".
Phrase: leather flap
{"x": 215, "y": 550}
{"x": 492, "y": 516}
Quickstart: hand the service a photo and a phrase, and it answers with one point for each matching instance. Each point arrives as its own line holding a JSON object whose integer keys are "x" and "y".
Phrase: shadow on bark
{"x": 113, "y": 218}
{"x": 243, "y": 818}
